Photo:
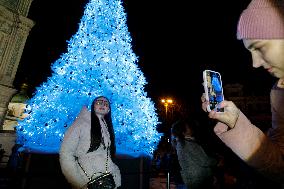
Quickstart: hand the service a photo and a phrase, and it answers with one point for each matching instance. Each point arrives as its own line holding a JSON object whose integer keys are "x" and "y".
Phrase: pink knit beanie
{"x": 263, "y": 19}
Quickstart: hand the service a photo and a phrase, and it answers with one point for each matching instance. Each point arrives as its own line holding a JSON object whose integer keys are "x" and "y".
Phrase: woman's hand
{"x": 228, "y": 117}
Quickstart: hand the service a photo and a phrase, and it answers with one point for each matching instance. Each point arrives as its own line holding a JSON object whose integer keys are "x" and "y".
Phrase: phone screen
{"x": 214, "y": 89}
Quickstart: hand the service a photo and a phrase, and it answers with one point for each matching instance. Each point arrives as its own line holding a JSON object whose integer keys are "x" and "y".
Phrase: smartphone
{"x": 212, "y": 83}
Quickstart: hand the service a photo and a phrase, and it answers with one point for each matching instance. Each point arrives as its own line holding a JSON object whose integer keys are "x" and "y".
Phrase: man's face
{"x": 101, "y": 106}
{"x": 269, "y": 54}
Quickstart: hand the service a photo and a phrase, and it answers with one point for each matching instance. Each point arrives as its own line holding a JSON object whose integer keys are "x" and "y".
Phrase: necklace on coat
{"x": 105, "y": 134}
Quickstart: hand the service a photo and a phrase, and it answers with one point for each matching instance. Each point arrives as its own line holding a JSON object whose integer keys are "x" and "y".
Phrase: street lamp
{"x": 166, "y": 103}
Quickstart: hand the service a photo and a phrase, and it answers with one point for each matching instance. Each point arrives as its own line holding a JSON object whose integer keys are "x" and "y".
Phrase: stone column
{"x": 6, "y": 94}
{"x": 14, "y": 30}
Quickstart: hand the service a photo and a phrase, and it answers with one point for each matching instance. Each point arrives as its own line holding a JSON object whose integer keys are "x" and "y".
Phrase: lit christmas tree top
{"x": 99, "y": 61}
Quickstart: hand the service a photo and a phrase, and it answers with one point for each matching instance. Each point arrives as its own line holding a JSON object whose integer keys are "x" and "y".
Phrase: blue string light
{"x": 99, "y": 61}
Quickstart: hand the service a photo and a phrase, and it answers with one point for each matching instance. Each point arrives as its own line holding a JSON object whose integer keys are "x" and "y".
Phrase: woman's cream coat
{"x": 76, "y": 143}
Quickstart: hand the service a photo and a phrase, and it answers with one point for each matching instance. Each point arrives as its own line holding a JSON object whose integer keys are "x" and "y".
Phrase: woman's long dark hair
{"x": 96, "y": 134}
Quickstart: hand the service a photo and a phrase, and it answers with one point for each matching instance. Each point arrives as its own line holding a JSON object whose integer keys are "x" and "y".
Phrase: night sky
{"x": 174, "y": 40}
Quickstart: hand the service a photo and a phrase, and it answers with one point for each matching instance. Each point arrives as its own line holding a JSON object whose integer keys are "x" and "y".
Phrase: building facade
{"x": 14, "y": 30}
{"x": 256, "y": 108}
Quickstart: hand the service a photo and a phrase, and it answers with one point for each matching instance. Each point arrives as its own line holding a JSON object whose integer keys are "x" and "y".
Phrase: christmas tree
{"x": 99, "y": 61}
